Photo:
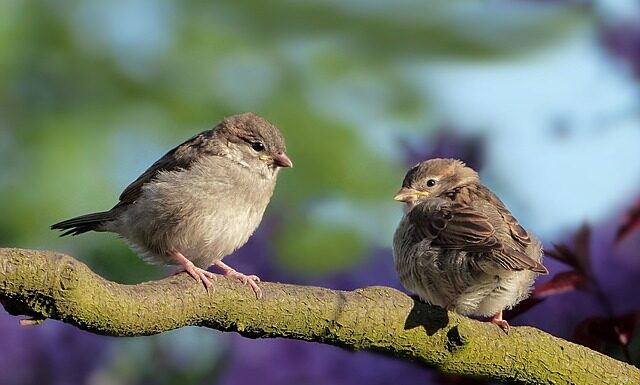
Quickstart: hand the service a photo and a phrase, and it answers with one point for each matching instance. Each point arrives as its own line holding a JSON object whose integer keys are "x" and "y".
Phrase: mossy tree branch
{"x": 44, "y": 284}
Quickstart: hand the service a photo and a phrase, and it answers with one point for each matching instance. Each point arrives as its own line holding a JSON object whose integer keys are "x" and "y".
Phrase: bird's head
{"x": 255, "y": 142}
{"x": 434, "y": 178}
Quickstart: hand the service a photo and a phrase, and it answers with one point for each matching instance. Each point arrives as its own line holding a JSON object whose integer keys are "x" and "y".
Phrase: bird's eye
{"x": 258, "y": 146}
{"x": 431, "y": 182}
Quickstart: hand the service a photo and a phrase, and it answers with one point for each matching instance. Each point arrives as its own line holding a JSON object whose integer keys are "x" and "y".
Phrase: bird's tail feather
{"x": 84, "y": 223}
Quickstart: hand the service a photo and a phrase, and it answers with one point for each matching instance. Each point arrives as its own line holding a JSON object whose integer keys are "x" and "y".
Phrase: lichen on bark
{"x": 45, "y": 284}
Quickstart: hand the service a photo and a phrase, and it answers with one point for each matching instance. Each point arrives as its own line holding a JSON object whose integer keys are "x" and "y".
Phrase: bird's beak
{"x": 282, "y": 160}
{"x": 407, "y": 195}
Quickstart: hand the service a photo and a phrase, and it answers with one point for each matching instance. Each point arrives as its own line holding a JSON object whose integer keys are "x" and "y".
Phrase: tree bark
{"x": 45, "y": 284}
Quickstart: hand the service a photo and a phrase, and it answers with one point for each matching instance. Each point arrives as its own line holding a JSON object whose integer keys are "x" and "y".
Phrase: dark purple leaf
{"x": 563, "y": 282}
{"x": 564, "y": 254}
{"x": 625, "y": 326}
{"x": 593, "y": 332}
{"x": 630, "y": 223}
{"x": 582, "y": 247}
{"x": 578, "y": 257}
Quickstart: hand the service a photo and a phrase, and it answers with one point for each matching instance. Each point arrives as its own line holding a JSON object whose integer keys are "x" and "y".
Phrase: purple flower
{"x": 51, "y": 353}
{"x": 447, "y": 143}
{"x": 281, "y": 362}
{"x": 623, "y": 40}
{"x": 610, "y": 292}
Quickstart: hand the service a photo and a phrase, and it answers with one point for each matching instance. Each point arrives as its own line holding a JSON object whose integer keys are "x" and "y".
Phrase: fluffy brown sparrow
{"x": 200, "y": 201}
{"x": 457, "y": 245}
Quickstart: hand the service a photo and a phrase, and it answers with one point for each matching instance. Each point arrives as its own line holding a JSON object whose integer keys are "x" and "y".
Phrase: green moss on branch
{"x": 44, "y": 284}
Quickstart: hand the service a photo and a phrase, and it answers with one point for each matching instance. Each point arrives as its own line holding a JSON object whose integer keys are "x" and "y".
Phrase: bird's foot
{"x": 250, "y": 280}
{"x": 503, "y": 324}
{"x": 200, "y": 275}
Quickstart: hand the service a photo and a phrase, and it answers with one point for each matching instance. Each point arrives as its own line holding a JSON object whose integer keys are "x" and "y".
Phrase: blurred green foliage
{"x": 91, "y": 93}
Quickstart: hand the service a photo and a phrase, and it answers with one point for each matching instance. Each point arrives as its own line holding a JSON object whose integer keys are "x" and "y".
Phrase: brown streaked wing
{"x": 515, "y": 260}
{"x": 180, "y": 157}
{"x": 517, "y": 231}
{"x": 453, "y": 225}
{"x": 456, "y": 226}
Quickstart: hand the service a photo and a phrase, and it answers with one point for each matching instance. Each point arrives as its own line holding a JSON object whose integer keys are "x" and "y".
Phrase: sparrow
{"x": 458, "y": 247}
{"x": 199, "y": 202}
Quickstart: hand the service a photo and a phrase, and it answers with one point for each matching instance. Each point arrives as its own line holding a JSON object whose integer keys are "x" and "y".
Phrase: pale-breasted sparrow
{"x": 200, "y": 201}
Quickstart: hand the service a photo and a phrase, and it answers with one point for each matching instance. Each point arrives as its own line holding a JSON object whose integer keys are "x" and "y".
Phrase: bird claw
{"x": 199, "y": 274}
{"x": 202, "y": 275}
{"x": 250, "y": 280}
{"x": 503, "y": 324}
{"x": 247, "y": 278}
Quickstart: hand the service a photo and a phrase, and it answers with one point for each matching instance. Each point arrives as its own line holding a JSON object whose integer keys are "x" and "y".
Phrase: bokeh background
{"x": 540, "y": 96}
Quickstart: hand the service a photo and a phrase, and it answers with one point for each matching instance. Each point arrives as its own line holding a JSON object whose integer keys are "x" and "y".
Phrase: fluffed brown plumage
{"x": 458, "y": 246}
